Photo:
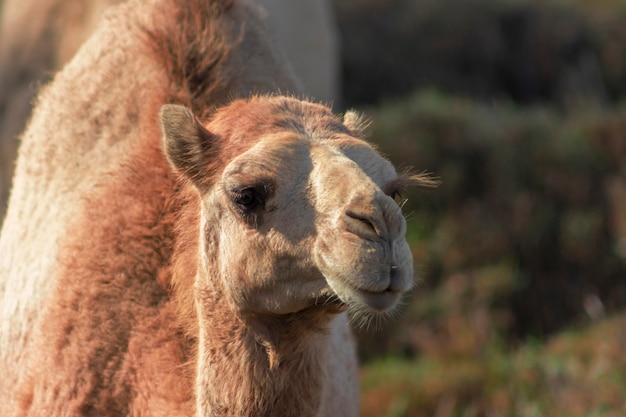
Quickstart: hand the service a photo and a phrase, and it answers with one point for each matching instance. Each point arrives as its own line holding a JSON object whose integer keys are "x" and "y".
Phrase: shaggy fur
{"x": 38, "y": 37}
{"x": 133, "y": 279}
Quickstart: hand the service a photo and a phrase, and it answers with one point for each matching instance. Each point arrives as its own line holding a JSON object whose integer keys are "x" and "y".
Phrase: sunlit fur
{"x": 129, "y": 282}
{"x": 315, "y": 171}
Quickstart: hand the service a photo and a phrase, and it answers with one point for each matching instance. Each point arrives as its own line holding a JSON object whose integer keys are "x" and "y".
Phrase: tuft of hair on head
{"x": 356, "y": 122}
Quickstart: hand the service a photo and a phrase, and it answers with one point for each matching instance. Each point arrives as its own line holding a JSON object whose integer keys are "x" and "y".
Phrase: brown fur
{"x": 38, "y": 37}
{"x": 135, "y": 282}
{"x": 127, "y": 359}
{"x": 261, "y": 117}
{"x": 266, "y": 364}
{"x": 85, "y": 346}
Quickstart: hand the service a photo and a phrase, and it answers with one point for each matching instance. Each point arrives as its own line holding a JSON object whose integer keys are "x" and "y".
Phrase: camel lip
{"x": 385, "y": 286}
{"x": 377, "y": 296}
{"x": 379, "y": 293}
{"x": 379, "y": 301}
{"x": 376, "y": 302}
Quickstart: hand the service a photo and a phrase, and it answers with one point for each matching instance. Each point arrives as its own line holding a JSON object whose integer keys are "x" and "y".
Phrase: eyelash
{"x": 250, "y": 201}
{"x": 247, "y": 199}
{"x": 399, "y": 198}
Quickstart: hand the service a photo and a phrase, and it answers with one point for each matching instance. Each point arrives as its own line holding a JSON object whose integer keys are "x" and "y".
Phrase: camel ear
{"x": 190, "y": 149}
{"x": 355, "y": 122}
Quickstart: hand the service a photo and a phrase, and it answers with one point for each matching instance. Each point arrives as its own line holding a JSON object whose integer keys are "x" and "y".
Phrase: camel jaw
{"x": 369, "y": 302}
{"x": 370, "y": 277}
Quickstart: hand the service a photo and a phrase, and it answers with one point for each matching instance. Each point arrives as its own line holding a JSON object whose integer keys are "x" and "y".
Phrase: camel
{"x": 38, "y": 37}
{"x": 184, "y": 237}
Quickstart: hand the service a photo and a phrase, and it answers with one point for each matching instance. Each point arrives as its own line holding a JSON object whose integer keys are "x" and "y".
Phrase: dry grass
{"x": 578, "y": 373}
{"x": 520, "y": 308}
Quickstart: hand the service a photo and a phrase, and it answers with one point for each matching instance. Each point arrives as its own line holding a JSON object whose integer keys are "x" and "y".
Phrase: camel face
{"x": 300, "y": 215}
{"x": 360, "y": 247}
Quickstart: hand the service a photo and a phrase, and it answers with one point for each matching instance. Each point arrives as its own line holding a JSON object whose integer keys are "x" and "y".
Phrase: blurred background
{"x": 518, "y": 107}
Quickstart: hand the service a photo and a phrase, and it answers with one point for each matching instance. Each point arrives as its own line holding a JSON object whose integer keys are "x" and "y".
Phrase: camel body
{"x": 183, "y": 260}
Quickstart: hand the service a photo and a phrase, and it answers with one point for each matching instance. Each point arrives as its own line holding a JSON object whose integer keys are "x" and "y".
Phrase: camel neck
{"x": 247, "y": 364}
{"x": 260, "y": 365}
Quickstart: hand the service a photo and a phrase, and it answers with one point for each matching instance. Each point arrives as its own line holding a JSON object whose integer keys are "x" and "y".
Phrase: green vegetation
{"x": 533, "y": 196}
{"x": 523, "y": 239}
{"x": 578, "y": 373}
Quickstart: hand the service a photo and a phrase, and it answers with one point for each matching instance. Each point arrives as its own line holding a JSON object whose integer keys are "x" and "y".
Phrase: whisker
{"x": 363, "y": 319}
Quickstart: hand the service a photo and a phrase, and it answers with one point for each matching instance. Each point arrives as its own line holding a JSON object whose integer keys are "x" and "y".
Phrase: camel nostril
{"x": 393, "y": 271}
{"x": 361, "y": 225}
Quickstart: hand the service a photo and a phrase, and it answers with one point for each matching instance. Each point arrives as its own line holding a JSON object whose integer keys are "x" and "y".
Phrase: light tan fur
{"x": 191, "y": 259}
{"x": 38, "y": 37}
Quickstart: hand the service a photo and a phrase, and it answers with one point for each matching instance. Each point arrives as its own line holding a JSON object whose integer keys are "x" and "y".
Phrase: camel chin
{"x": 365, "y": 301}
{"x": 369, "y": 277}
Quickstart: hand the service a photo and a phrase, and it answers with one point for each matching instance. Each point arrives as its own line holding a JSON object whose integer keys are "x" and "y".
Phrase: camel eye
{"x": 247, "y": 199}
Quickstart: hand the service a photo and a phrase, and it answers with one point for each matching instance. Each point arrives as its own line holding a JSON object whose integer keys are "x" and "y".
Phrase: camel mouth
{"x": 366, "y": 300}
{"x": 378, "y": 301}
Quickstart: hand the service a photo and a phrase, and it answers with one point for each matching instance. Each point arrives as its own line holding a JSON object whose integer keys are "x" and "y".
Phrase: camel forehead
{"x": 272, "y": 156}
{"x": 246, "y": 120}
{"x": 374, "y": 165}
{"x": 290, "y": 156}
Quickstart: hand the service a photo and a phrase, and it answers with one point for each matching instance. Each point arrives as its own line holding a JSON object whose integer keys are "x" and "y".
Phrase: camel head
{"x": 297, "y": 212}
